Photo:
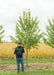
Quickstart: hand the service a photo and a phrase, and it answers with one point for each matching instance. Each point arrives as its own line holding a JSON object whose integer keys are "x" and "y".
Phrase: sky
{"x": 11, "y": 9}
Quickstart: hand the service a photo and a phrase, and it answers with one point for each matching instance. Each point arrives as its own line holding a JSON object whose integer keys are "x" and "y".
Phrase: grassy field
{"x": 37, "y": 72}
{"x": 40, "y": 72}
{"x": 29, "y": 61}
{"x": 44, "y": 52}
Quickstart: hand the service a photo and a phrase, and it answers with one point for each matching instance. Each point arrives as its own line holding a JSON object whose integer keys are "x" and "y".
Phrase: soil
{"x": 31, "y": 67}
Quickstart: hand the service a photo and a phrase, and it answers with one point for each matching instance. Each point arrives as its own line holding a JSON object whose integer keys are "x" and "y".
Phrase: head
{"x": 19, "y": 44}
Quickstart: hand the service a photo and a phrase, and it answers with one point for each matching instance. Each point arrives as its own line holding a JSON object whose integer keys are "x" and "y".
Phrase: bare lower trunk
{"x": 27, "y": 57}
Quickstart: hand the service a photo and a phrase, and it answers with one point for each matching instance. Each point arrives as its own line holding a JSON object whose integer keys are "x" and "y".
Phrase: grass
{"x": 29, "y": 61}
{"x": 40, "y": 72}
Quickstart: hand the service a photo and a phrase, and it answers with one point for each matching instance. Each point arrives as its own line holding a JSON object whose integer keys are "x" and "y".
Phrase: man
{"x": 18, "y": 55}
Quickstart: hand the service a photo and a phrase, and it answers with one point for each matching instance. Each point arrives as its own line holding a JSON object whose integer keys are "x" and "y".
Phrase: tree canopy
{"x": 50, "y": 34}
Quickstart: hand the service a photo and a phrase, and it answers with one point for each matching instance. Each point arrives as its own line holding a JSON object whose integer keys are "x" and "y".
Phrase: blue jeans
{"x": 18, "y": 63}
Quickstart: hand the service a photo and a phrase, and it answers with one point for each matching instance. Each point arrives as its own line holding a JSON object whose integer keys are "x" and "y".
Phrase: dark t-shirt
{"x": 16, "y": 50}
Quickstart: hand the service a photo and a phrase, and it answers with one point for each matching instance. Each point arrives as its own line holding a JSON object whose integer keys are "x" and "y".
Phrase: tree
{"x": 1, "y": 33}
{"x": 50, "y": 34}
{"x": 27, "y": 32}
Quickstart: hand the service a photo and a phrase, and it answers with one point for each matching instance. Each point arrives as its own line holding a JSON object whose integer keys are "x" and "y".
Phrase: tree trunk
{"x": 27, "y": 57}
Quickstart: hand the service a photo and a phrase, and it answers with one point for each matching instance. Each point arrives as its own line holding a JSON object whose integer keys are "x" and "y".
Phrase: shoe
{"x": 22, "y": 70}
{"x": 18, "y": 71}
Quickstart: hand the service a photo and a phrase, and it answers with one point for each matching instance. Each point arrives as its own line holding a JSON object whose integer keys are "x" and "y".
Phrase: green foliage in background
{"x": 1, "y": 33}
{"x": 50, "y": 34}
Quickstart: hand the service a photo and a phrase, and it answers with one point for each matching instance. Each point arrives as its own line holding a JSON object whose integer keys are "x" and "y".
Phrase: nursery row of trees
{"x": 28, "y": 32}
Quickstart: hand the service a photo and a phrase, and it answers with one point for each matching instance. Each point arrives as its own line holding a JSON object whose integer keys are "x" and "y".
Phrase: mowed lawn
{"x": 40, "y": 72}
{"x": 29, "y": 61}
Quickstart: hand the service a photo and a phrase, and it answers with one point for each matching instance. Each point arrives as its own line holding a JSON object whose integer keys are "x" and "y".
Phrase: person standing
{"x": 18, "y": 56}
